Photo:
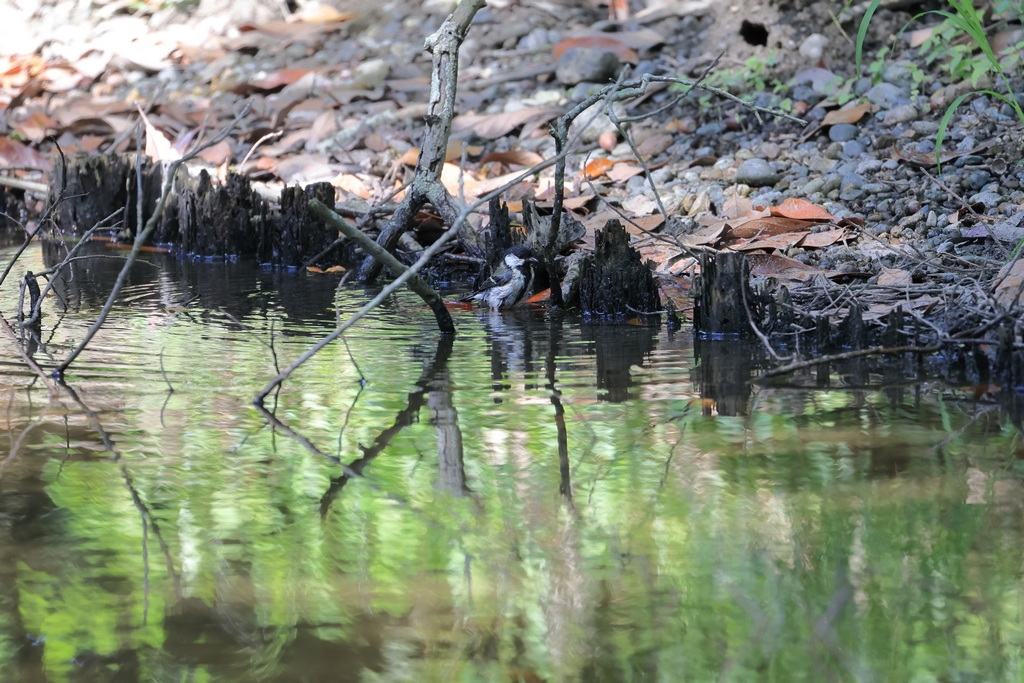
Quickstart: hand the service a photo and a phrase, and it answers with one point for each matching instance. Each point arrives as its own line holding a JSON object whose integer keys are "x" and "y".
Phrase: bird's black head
{"x": 519, "y": 256}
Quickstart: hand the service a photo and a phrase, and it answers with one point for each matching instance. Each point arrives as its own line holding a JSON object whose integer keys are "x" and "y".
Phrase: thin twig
{"x": 873, "y": 351}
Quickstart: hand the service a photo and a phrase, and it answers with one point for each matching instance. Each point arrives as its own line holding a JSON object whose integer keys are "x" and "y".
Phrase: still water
{"x": 535, "y": 500}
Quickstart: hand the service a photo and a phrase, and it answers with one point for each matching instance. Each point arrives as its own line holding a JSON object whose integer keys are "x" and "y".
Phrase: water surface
{"x": 536, "y": 500}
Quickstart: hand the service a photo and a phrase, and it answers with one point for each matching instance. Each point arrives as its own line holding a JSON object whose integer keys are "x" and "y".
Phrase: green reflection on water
{"x": 824, "y": 535}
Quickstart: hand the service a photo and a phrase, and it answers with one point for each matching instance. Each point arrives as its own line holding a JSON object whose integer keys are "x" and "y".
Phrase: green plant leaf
{"x": 863, "y": 30}
{"x": 943, "y": 124}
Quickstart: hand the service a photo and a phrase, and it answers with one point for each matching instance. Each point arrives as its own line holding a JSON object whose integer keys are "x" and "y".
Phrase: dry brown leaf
{"x": 677, "y": 290}
{"x": 782, "y": 267}
{"x": 623, "y": 171}
{"x": 36, "y": 126}
{"x": 756, "y": 228}
{"x": 604, "y": 42}
{"x": 918, "y": 37}
{"x": 1008, "y": 293}
{"x": 848, "y": 114}
{"x": 639, "y": 205}
{"x": 704, "y": 236}
{"x": 928, "y": 158}
{"x": 802, "y": 209}
{"x": 894, "y": 277}
{"x": 316, "y": 13}
{"x": 13, "y": 153}
{"x": 458, "y": 183}
{"x": 879, "y": 310}
{"x": 736, "y": 206}
{"x": 351, "y": 184}
{"x": 492, "y": 126}
{"x": 218, "y": 154}
{"x": 596, "y": 168}
{"x": 783, "y": 241}
{"x": 514, "y": 158}
{"x": 654, "y": 145}
{"x": 158, "y": 147}
{"x": 819, "y": 240}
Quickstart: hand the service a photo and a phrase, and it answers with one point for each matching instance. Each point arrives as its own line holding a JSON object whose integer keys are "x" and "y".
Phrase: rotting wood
{"x": 719, "y": 312}
{"x": 614, "y": 282}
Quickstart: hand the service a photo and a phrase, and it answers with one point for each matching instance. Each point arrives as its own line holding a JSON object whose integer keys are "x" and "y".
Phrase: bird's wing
{"x": 496, "y": 280}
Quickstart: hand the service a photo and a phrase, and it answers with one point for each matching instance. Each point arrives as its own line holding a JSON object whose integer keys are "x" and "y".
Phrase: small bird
{"x": 507, "y": 286}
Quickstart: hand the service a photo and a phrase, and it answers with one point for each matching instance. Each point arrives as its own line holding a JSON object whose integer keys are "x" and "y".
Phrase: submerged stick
{"x": 416, "y": 284}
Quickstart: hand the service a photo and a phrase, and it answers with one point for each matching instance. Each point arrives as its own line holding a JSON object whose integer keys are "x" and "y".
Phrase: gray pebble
{"x": 813, "y": 186}
{"x": 990, "y": 199}
{"x": 903, "y": 113}
{"x": 890, "y": 165}
{"x": 885, "y": 94}
{"x": 925, "y": 127}
{"x": 876, "y": 188}
{"x": 579, "y": 64}
{"x": 899, "y": 75}
{"x": 852, "y": 181}
{"x": 869, "y": 166}
{"x": 968, "y": 143}
{"x": 821, "y": 164}
{"x": 756, "y": 173}
{"x": 852, "y": 148}
{"x": 710, "y": 129}
{"x": 932, "y": 219}
{"x": 841, "y": 132}
{"x": 977, "y": 180}
{"x": 832, "y": 182}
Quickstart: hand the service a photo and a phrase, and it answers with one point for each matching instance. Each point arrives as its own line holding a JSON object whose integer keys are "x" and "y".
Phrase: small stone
{"x": 925, "y": 128}
{"x": 885, "y": 95}
{"x": 869, "y": 166}
{"x": 813, "y": 46}
{"x": 832, "y": 183}
{"x": 990, "y": 199}
{"x": 967, "y": 144}
{"x": 592, "y": 64}
{"x": 756, "y": 173}
{"x": 852, "y": 148}
{"x": 841, "y": 132}
{"x": 770, "y": 150}
{"x": 821, "y": 164}
{"x": 862, "y": 86}
{"x": 932, "y": 220}
{"x": 851, "y": 181}
{"x": 903, "y": 113}
{"x": 976, "y": 180}
{"x": 898, "y": 75}
{"x": 806, "y": 94}
{"x": 851, "y": 195}
{"x": 876, "y": 188}
{"x": 711, "y": 129}
{"x": 884, "y": 141}
{"x": 813, "y": 186}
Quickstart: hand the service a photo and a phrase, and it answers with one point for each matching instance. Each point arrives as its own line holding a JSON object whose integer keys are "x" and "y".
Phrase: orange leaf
{"x": 335, "y": 269}
{"x": 314, "y": 269}
{"x": 459, "y": 305}
{"x": 597, "y": 167}
{"x": 766, "y": 227}
{"x": 411, "y": 156}
{"x": 540, "y": 296}
{"x": 850, "y": 115}
{"x": 621, "y": 50}
{"x": 802, "y": 209}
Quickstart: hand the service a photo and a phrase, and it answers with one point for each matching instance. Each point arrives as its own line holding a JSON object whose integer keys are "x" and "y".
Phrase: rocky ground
{"x": 338, "y": 93}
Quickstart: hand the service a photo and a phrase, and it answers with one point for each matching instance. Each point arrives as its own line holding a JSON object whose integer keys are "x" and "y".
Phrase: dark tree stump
{"x": 99, "y": 185}
{"x": 500, "y": 238}
{"x": 852, "y": 333}
{"x": 213, "y": 220}
{"x": 614, "y": 282}
{"x": 718, "y": 302}
{"x": 298, "y": 234}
